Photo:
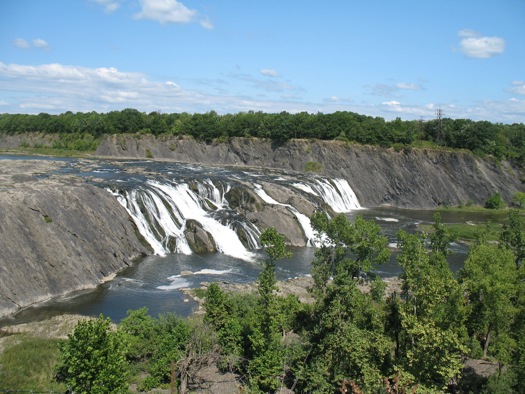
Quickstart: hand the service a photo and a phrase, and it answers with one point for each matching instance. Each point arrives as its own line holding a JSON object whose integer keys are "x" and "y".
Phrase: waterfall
{"x": 303, "y": 220}
{"x": 336, "y": 192}
{"x": 161, "y": 209}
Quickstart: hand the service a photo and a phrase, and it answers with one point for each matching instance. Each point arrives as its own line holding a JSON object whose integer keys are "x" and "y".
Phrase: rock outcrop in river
{"x": 57, "y": 234}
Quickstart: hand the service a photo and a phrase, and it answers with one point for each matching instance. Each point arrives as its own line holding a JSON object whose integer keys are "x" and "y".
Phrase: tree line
{"x": 503, "y": 141}
{"x": 348, "y": 340}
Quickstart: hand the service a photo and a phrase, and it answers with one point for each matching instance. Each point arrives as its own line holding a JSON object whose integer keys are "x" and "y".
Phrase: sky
{"x": 403, "y": 58}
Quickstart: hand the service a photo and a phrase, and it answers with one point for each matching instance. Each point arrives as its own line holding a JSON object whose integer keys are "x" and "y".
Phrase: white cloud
{"x": 57, "y": 88}
{"x": 392, "y": 103}
{"x": 392, "y": 90}
{"x": 37, "y": 43}
{"x": 109, "y": 5}
{"x": 21, "y": 43}
{"x": 268, "y": 72}
{"x": 408, "y": 86}
{"x": 472, "y": 44}
{"x": 205, "y": 22}
{"x": 518, "y": 87}
{"x": 40, "y": 43}
{"x": 171, "y": 11}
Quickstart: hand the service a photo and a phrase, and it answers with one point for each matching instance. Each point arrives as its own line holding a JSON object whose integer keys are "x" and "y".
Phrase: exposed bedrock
{"x": 417, "y": 178}
{"x": 57, "y": 235}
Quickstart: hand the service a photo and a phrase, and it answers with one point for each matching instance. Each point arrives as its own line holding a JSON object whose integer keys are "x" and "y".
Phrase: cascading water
{"x": 163, "y": 207}
{"x": 335, "y": 192}
{"x": 302, "y": 219}
{"x": 161, "y": 211}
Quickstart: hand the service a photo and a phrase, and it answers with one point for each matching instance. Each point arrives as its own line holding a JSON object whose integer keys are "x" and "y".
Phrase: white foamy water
{"x": 176, "y": 283}
{"x": 213, "y": 272}
{"x": 392, "y": 220}
{"x": 337, "y": 193}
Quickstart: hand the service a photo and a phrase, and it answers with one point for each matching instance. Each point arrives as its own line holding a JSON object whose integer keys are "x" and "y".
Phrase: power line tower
{"x": 439, "y": 118}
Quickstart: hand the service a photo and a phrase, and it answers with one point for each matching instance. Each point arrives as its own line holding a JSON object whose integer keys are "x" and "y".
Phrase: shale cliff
{"x": 57, "y": 234}
{"x": 415, "y": 178}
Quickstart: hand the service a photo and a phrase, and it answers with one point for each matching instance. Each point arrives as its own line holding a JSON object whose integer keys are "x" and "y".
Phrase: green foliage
{"x": 490, "y": 282}
{"x": 139, "y": 331}
{"x": 28, "y": 365}
{"x": 440, "y": 238}
{"x": 92, "y": 360}
{"x": 266, "y": 366}
{"x": 485, "y": 138}
{"x": 352, "y": 247}
{"x": 512, "y": 236}
{"x": 173, "y": 335}
{"x": 149, "y": 155}
{"x": 519, "y": 199}
{"x": 495, "y": 202}
{"x": 429, "y": 325}
{"x": 347, "y": 338}
{"x": 314, "y": 167}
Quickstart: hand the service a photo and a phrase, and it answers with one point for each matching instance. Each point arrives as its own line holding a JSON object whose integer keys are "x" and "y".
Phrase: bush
{"x": 93, "y": 358}
{"x": 495, "y": 202}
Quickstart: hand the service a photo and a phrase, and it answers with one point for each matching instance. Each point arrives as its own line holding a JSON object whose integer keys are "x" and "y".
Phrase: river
{"x": 155, "y": 281}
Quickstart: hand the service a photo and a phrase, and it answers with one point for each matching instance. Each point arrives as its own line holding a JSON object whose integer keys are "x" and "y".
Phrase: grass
{"x": 467, "y": 232}
{"x": 46, "y": 151}
{"x": 493, "y": 218}
{"x": 29, "y": 364}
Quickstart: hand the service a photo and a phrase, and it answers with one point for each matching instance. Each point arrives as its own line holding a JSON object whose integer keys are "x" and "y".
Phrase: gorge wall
{"x": 57, "y": 234}
{"x": 416, "y": 178}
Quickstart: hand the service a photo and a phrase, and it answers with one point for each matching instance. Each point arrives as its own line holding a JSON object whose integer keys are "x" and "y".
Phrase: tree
{"x": 93, "y": 358}
{"x": 347, "y": 339}
{"x": 139, "y": 330}
{"x": 495, "y": 202}
{"x": 512, "y": 236}
{"x": 266, "y": 366}
{"x": 490, "y": 282}
{"x": 432, "y": 314}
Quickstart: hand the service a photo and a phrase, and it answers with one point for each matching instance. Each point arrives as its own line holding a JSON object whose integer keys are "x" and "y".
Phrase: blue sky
{"x": 403, "y": 58}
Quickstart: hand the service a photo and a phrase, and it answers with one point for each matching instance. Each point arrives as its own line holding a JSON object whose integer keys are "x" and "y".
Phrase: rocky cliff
{"x": 415, "y": 178}
{"x": 57, "y": 234}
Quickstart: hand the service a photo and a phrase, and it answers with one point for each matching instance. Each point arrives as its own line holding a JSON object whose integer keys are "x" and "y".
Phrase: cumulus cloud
{"x": 269, "y": 72}
{"x": 21, "y": 43}
{"x": 472, "y": 44}
{"x": 170, "y": 11}
{"x": 108, "y": 5}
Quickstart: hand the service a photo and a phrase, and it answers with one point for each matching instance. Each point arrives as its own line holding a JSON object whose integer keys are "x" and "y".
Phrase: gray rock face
{"x": 417, "y": 178}
{"x": 57, "y": 235}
